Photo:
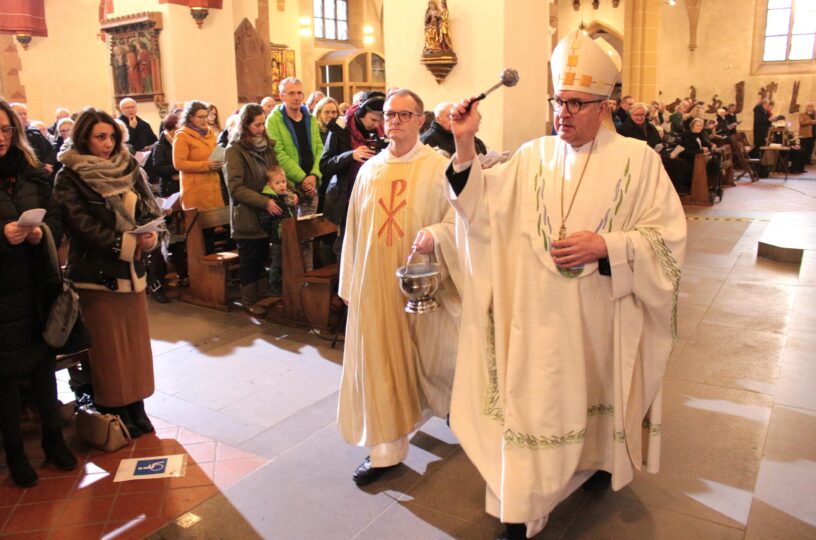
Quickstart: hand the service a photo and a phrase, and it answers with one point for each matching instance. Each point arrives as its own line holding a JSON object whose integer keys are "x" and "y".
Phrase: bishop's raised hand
{"x": 465, "y": 119}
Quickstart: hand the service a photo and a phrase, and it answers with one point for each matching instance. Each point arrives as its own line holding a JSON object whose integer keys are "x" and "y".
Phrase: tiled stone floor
{"x": 253, "y": 406}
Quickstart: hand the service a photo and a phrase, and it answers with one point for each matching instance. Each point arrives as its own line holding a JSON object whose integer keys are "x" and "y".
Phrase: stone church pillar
{"x": 641, "y": 34}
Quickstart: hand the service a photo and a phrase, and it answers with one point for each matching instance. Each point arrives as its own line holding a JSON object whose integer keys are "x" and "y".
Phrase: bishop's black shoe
{"x": 598, "y": 482}
{"x": 513, "y": 531}
{"x": 365, "y": 474}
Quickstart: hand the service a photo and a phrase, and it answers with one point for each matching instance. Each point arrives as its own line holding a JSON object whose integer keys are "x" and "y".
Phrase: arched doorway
{"x": 341, "y": 74}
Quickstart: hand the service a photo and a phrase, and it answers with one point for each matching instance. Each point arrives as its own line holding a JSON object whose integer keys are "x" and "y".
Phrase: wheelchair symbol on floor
{"x": 147, "y": 467}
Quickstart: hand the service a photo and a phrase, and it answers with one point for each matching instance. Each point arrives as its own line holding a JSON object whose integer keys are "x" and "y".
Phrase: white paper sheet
{"x": 31, "y": 218}
{"x": 157, "y": 225}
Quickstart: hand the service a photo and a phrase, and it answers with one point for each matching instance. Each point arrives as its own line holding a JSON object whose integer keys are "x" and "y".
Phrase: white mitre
{"x": 582, "y": 64}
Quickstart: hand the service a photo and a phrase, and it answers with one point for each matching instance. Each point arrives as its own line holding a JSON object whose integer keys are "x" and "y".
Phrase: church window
{"x": 790, "y": 31}
{"x": 331, "y": 19}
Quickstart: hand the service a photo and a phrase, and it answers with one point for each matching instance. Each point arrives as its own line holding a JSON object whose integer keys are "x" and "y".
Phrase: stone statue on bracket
{"x": 740, "y": 97}
{"x": 437, "y": 53}
{"x": 716, "y": 103}
{"x": 767, "y": 92}
{"x": 794, "y": 107}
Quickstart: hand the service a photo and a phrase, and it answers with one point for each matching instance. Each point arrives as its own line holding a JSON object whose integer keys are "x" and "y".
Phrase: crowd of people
{"x": 549, "y": 383}
{"x": 682, "y": 133}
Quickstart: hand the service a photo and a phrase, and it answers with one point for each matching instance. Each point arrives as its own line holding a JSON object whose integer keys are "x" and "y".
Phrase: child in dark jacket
{"x": 276, "y": 189}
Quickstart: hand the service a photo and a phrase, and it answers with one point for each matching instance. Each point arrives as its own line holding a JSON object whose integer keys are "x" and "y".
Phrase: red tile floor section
{"x": 86, "y": 503}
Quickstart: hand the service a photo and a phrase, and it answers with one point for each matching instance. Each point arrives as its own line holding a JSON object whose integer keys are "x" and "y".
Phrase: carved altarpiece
{"x": 133, "y": 41}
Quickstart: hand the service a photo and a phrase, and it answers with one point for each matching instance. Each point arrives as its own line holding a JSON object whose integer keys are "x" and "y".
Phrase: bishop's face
{"x": 579, "y": 128}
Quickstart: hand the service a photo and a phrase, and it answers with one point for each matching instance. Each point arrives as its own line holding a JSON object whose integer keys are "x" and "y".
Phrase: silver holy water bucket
{"x": 418, "y": 282}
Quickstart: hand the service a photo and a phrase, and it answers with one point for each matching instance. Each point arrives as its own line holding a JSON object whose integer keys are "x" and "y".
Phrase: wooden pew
{"x": 309, "y": 298}
{"x": 212, "y": 265}
{"x": 700, "y": 192}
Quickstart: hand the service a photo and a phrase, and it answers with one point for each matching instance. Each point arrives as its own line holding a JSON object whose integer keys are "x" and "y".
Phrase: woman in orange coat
{"x": 192, "y": 147}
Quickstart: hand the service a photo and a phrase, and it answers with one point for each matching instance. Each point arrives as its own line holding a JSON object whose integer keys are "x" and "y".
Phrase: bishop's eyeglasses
{"x": 573, "y": 105}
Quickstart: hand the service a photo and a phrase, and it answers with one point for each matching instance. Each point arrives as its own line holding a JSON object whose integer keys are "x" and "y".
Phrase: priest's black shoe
{"x": 139, "y": 417}
{"x": 513, "y": 531}
{"x": 366, "y": 474}
{"x": 57, "y": 452}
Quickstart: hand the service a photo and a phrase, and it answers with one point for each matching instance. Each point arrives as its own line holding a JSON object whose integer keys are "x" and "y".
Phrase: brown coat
{"x": 200, "y": 186}
{"x": 806, "y": 125}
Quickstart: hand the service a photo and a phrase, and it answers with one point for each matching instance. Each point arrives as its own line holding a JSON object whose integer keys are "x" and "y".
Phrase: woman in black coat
{"x": 27, "y": 289}
{"x": 638, "y": 126}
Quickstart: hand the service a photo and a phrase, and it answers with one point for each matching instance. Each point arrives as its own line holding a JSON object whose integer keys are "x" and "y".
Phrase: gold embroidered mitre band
{"x": 582, "y": 64}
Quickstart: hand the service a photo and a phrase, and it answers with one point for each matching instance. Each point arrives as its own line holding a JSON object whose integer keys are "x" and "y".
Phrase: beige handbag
{"x": 104, "y": 431}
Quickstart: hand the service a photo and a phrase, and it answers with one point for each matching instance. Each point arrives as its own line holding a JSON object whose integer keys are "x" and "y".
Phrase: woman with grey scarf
{"x": 249, "y": 156}
{"x": 103, "y": 198}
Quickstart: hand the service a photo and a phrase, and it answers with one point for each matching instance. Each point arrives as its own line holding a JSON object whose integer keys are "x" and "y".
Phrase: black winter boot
{"x": 57, "y": 452}
{"x": 20, "y": 469}
{"x": 139, "y": 417}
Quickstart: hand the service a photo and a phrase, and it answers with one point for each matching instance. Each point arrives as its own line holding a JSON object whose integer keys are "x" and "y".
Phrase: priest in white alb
{"x": 571, "y": 255}
{"x": 397, "y": 367}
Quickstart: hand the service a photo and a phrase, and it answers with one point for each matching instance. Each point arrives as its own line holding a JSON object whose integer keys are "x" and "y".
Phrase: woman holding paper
{"x": 193, "y": 156}
{"x": 25, "y": 300}
{"x": 104, "y": 199}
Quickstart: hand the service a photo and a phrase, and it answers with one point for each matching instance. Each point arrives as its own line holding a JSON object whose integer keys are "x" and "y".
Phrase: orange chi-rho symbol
{"x": 391, "y": 225}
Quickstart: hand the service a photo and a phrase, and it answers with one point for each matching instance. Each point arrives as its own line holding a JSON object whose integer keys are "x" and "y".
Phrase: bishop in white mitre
{"x": 571, "y": 255}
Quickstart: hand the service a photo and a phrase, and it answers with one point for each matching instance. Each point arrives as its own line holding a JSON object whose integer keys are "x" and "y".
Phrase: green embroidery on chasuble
{"x": 601, "y": 410}
{"x": 653, "y": 429}
{"x": 491, "y": 399}
{"x": 669, "y": 265}
{"x": 619, "y": 436}
{"x": 549, "y": 442}
{"x": 544, "y": 227}
{"x": 542, "y": 442}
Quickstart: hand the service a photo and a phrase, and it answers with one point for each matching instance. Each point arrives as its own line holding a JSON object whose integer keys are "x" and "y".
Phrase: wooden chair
{"x": 309, "y": 298}
{"x": 748, "y": 165}
{"x": 727, "y": 166}
{"x": 212, "y": 264}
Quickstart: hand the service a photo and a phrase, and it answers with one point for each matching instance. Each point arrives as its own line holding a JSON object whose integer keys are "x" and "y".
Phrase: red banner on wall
{"x": 23, "y": 17}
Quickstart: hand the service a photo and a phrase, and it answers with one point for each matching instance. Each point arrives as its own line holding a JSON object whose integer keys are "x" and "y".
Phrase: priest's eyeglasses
{"x": 404, "y": 116}
{"x": 573, "y": 105}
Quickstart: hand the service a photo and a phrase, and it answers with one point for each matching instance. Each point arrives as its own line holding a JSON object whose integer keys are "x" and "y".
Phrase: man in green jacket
{"x": 298, "y": 148}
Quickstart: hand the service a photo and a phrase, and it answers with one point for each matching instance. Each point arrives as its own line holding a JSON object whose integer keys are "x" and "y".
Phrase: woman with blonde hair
{"x": 192, "y": 146}
{"x": 326, "y": 110}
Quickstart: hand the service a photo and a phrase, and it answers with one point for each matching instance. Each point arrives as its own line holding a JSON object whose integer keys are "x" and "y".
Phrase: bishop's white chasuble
{"x": 397, "y": 367}
{"x": 559, "y": 371}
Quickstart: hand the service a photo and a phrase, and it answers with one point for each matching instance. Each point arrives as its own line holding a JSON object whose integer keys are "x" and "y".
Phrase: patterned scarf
{"x": 111, "y": 180}
{"x": 359, "y": 135}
